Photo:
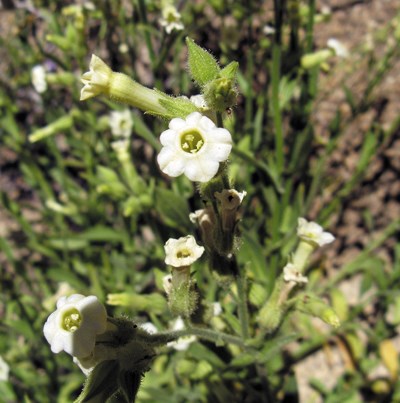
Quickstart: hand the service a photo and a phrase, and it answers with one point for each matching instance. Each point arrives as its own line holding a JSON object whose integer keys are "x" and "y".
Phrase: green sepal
{"x": 101, "y": 383}
{"x": 229, "y": 71}
{"x": 202, "y": 66}
{"x": 129, "y": 383}
{"x": 176, "y": 107}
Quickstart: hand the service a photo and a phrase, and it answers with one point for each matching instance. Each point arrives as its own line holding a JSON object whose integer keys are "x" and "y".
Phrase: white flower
{"x": 38, "y": 77}
{"x": 182, "y": 343}
{"x": 4, "y": 370}
{"x": 338, "y": 47}
{"x": 194, "y": 146}
{"x": 101, "y": 352}
{"x": 96, "y": 80}
{"x": 73, "y": 327}
{"x": 217, "y": 308}
{"x": 171, "y": 19}
{"x": 121, "y": 123}
{"x": 313, "y": 232}
{"x": 230, "y": 199}
{"x": 182, "y": 252}
{"x": 290, "y": 273}
{"x": 268, "y": 30}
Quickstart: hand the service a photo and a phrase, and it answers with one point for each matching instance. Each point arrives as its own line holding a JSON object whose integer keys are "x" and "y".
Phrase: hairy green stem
{"x": 160, "y": 339}
{"x": 242, "y": 305}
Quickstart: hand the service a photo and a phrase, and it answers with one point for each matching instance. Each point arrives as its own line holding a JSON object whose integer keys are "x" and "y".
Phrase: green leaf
{"x": 100, "y": 384}
{"x": 252, "y": 253}
{"x": 177, "y": 107}
{"x": 129, "y": 383}
{"x": 172, "y": 208}
{"x": 202, "y": 65}
{"x": 230, "y": 71}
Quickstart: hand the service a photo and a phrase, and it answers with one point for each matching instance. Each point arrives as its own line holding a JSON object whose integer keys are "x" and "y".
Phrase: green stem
{"x": 207, "y": 334}
{"x": 275, "y": 106}
{"x": 143, "y": 17}
{"x": 259, "y": 165}
{"x": 242, "y": 305}
{"x": 220, "y": 122}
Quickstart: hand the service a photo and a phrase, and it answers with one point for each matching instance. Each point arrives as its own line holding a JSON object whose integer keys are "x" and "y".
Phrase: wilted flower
{"x": 171, "y": 19}
{"x": 73, "y": 327}
{"x": 194, "y": 146}
{"x": 338, "y": 47}
{"x": 230, "y": 199}
{"x": 291, "y": 273}
{"x": 182, "y": 252}
{"x": 313, "y": 232}
{"x": 96, "y": 80}
{"x": 38, "y": 77}
{"x": 121, "y": 123}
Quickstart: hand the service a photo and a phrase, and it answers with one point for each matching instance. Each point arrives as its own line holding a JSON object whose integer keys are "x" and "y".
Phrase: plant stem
{"x": 143, "y": 17}
{"x": 242, "y": 305}
{"x": 207, "y": 334}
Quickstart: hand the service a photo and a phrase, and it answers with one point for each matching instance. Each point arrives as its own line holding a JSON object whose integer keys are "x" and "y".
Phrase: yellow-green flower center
{"x": 191, "y": 141}
{"x": 183, "y": 253}
{"x": 71, "y": 320}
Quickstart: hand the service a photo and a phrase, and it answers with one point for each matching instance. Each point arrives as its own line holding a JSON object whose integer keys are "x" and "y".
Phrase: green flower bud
{"x": 59, "y": 125}
{"x": 311, "y": 60}
{"x": 314, "y": 306}
{"x": 220, "y": 94}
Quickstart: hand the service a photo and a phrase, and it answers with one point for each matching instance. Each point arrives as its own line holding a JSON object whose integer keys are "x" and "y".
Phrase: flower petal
{"x": 177, "y": 124}
{"x": 168, "y": 138}
{"x": 200, "y": 170}
{"x": 220, "y": 135}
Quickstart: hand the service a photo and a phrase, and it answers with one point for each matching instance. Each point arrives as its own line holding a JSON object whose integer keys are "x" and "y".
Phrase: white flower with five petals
{"x": 182, "y": 252}
{"x": 194, "y": 146}
{"x": 73, "y": 327}
{"x": 312, "y": 232}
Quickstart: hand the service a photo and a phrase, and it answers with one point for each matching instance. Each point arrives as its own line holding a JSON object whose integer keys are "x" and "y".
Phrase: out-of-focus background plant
{"x": 317, "y": 135}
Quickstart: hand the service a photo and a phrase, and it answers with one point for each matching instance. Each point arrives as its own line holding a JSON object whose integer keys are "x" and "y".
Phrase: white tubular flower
{"x": 338, "y": 47}
{"x": 290, "y": 273}
{"x": 194, "y": 146}
{"x": 73, "y": 327}
{"x": 38, "y": 77}
{"x": 171, "y": 19}
{"x": 4, "y": 370}
{"x": 121, "y": 123}
{"x": 313, "y": 232}
{"x": 182, "y": 252}
{"x": 96, "y": 80}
